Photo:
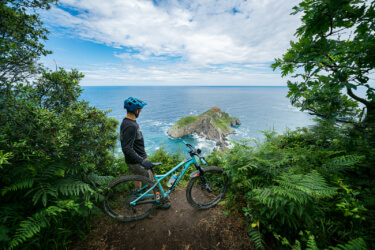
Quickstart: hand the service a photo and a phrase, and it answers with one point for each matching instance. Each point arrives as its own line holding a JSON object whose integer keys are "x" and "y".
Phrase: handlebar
{"x": 196, "y": 152}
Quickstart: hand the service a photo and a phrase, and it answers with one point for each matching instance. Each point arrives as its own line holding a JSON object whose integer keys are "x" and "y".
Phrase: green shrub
{"x": 52, "y": 149}
{"x": 300, "y": 184}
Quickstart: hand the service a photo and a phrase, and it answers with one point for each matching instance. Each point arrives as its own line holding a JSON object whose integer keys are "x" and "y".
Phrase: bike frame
{"x": 186, "y": 163}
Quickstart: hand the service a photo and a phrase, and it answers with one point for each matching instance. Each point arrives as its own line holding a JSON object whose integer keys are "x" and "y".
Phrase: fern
{"x": 33, "y": 225}
{"x": 73, "y": 187}
{"x": 298, "y": 188}
{"x": 357, "y": 244}
{"x": 311, "y": 244}
{"x": 51, "y": 172}
{"x": 342, "y": 163}
{"x": 96, "y": 179}
{"x": 296, "y": 246}
{"x": 19, "y": 185}
{"x": 256, "y": 237}
{"x": 312, "y": 184}
{"x": 42, "y": 191}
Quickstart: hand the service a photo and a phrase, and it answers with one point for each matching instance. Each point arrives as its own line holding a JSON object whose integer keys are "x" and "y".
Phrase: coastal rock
{"x": 213, "y": 124}
{"x": 235, "y": 123}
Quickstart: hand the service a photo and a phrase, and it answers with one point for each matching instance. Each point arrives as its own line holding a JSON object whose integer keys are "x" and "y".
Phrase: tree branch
{"x": 352, "y": 95}
{"x": 313, "y": 112}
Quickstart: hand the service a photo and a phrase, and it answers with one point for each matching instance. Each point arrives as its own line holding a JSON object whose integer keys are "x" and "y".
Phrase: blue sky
{"x": 171, "y": 42}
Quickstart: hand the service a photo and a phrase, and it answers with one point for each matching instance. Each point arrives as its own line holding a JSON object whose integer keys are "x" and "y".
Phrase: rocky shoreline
{"x": 213, "y": 124}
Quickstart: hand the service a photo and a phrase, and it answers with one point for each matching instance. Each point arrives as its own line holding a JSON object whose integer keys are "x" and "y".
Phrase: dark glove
{"x": 147, "y": 164}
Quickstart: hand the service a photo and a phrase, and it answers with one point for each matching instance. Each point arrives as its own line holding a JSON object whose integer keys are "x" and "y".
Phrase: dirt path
{"x": 180, "y": 227}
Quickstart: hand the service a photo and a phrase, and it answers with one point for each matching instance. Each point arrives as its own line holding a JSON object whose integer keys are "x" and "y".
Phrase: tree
{"x": 334, "y": 55}
{"x": 53, "y": 147}
{"x": 21, "y": 36}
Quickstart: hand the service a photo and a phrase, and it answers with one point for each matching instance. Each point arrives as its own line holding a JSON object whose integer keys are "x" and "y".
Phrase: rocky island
{"x": 213, "y": 124}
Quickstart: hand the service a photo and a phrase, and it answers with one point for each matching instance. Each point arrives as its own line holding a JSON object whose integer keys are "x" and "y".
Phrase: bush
{"x": 52, "y": 149}
{"x": 300, "y": 185}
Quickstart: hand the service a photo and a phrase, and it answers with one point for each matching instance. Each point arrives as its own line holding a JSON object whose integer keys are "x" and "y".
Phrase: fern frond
{"x": 81, "y": 168}
{"x": 296, "y": 195}
{"x": 311, "y": 243}
{"x": 51, "y": 171}
{"x": 342, "y": 163}
{"x": 96, "y": 179}
{"x": 19, "y": 185}
{"x": 357, "y": 244}
{"x": 73, "y": 187}
{"x": 316, "y": 185}
{"x": 42, "y": 191}
{"x": 256, "y": 237}
{"x": 312, "y": 184}
{"x": 296, "y": 246}
{"x": 33, "y": 225}
{"x": 29, "y": 228}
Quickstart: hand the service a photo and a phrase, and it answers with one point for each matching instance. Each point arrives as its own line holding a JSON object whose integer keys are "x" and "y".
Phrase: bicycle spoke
{"x": 120, "y": 197}
{"x": 206, "y": 191}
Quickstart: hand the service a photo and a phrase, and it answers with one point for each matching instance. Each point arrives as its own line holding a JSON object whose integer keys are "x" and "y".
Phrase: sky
{"x": 171, "y": 42}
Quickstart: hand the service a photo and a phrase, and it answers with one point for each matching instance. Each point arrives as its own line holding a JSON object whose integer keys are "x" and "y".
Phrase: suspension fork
{"x": 204, "y": 184}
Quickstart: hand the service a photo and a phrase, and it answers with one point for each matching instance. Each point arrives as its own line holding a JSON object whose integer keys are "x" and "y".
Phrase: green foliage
{"x": 186, "y": 121}
{"x": 22, "y": 40}
{"x": 352, "y": 245}
{"x": 355, "y": 244}
{"x": 302, "y": 184}
{"x": 219, "y": 119}
{"x": 57, "y": 145}
{"x": 334, "y": 55}
{"x": 311, "y": 244}
{"x": 256, "y": 237}
{"x": 54, "y": 148}
{"x": 169, "y": 160}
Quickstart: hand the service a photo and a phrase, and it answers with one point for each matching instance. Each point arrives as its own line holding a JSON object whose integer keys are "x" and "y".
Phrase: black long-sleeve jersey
{"x": 132, "y": 143}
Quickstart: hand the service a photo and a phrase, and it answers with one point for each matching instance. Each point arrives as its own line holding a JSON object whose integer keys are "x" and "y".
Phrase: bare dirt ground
{"x": 180, "y": 227}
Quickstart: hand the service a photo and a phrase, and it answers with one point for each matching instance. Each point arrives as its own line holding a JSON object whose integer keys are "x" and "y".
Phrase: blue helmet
{"x": 132, "y": 104}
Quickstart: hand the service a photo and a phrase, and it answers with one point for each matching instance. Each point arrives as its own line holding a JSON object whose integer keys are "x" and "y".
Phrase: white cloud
{"x": 201, "y": 32}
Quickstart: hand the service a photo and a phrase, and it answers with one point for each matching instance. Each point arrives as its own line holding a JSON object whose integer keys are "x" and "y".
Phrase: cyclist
{"x": 132, "y": 143}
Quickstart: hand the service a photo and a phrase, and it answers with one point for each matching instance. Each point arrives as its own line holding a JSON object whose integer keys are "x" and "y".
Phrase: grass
{"x": 187, "y": 120}
{"x": 221, "y": 122}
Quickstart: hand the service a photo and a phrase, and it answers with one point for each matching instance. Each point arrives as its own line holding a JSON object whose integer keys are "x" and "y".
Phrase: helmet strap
{"x": 136, "y": 113}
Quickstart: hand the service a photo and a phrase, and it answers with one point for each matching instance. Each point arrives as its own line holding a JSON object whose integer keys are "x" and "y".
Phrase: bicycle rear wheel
{"x": 121, "y": 192}
{"x": 207, "y": 191}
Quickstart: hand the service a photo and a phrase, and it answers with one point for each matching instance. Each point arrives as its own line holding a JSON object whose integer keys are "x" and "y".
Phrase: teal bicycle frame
{"x": 158, "y": 178}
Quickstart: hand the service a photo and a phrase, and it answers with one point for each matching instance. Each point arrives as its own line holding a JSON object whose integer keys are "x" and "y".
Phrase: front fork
{"x": 204, "y": 184}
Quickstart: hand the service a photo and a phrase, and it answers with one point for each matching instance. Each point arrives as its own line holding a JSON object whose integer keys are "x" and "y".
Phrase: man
{"x": 132, "y": 143}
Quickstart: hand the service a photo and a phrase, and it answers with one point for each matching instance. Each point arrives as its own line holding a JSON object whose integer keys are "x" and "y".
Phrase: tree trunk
{"x": 370, "y": 115}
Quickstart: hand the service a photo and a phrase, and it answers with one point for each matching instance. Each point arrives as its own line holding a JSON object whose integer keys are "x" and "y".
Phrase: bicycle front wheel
{"x": 121, "y": 192}
{"x": 206, "y": 191}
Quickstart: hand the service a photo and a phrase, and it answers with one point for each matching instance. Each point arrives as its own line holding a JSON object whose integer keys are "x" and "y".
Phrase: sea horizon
{"x": 259, "y": 108}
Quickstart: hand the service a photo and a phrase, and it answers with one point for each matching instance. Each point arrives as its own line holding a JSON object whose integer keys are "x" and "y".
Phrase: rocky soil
{"x": 180, "y": 227}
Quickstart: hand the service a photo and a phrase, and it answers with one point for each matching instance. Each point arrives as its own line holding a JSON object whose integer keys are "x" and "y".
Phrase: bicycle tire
{"x": 199, "y": 197}
{"x": 118, "y": 195}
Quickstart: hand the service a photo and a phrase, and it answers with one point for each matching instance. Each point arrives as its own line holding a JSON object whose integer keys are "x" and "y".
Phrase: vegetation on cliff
{"x": 221, "y": 120}
{"x": 213, "y": 124}
{"x": 305, "y": 189}
{"x": 186, "y": 121}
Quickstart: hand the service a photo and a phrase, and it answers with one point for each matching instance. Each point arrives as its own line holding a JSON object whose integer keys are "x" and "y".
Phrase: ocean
{"x": 258, "y": 108}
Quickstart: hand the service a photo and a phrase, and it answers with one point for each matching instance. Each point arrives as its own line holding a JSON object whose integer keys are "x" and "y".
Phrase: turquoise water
{"x": 258, "y": 108}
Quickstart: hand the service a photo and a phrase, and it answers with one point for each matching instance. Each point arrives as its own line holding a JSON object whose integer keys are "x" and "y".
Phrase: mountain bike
{"x": 206, "y": 188}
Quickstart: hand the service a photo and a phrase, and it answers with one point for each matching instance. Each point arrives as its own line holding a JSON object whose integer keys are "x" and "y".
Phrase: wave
{"x": 288, "y": 108}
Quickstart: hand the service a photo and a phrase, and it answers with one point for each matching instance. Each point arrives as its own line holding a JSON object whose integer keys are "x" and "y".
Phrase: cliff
{"x": 213, "y": 124}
